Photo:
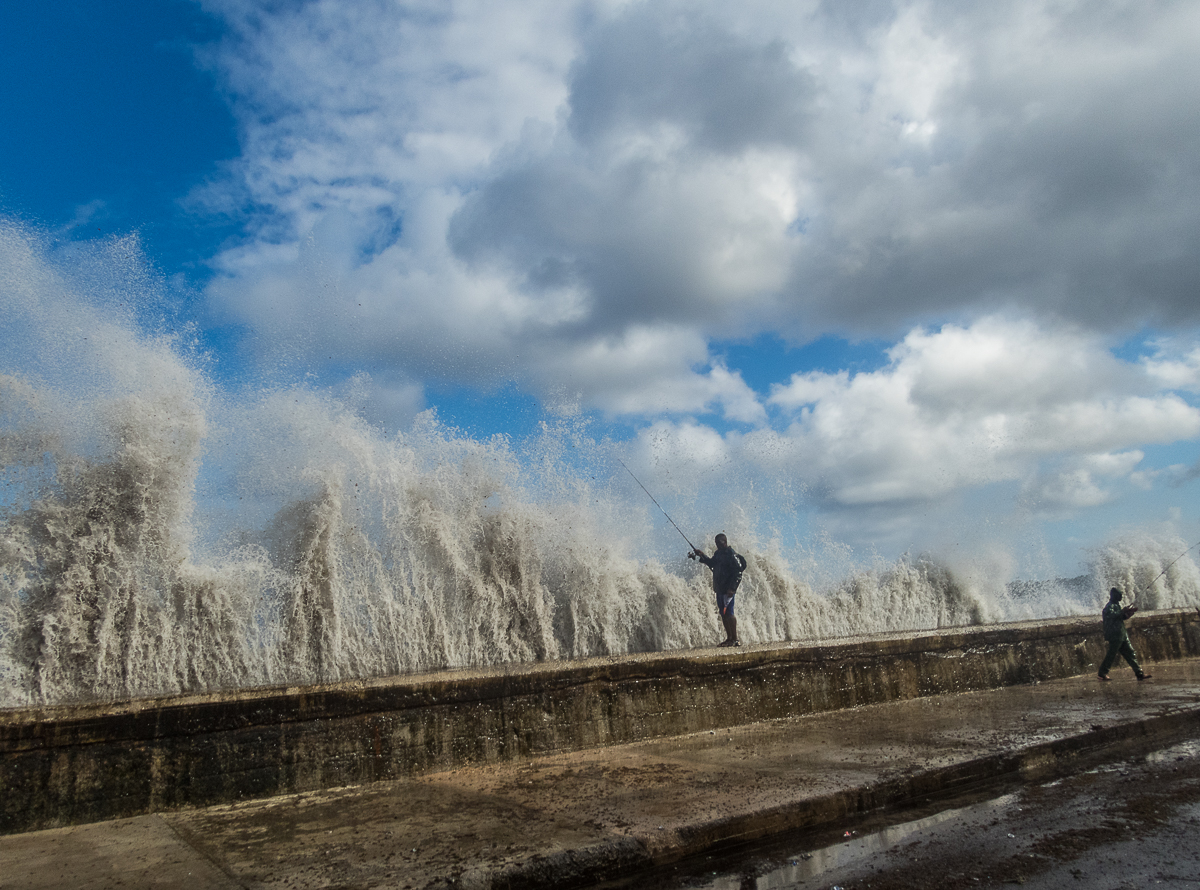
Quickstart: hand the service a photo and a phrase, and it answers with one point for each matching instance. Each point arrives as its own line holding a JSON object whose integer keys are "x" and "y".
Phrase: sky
{"x": 935, "y": 264}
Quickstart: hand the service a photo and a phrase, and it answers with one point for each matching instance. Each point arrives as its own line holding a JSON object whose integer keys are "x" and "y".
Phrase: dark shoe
{"x": 724, "y": 644}
{"x": 1142, "y": 677}
{"x": 739, "y": 643}
{"x": 1104, "y": 677}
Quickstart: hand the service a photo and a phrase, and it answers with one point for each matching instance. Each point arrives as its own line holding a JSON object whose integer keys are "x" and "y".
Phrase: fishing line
{"x": 657, "y": 504}
{"x": 1164, "y": 571}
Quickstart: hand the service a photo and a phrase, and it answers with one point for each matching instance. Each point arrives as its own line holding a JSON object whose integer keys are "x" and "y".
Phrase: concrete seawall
{"x": 69, "y": 765}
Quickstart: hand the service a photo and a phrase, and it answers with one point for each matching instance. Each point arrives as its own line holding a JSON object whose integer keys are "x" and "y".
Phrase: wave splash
{"x": 320, "y": 550}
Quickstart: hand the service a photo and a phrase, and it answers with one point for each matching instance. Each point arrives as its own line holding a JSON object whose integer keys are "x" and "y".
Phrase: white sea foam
{"x": 322, "y": 550}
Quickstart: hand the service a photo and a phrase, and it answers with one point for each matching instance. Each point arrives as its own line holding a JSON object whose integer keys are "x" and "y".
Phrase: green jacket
{"x": 1114, "y": 622}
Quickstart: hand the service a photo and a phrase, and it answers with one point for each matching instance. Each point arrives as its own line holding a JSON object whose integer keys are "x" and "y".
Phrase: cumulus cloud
{"x": 589, "y": 198}
{"x": 1070, "y": 489}
{"x": 1001, "y": 401}
{"x": 1041, "y": 172}
{"x": 569, "y": 171}
{"x": 1175, "y": 366}
{"x": 639, "y": 373}
{"x": 661, "y": 66}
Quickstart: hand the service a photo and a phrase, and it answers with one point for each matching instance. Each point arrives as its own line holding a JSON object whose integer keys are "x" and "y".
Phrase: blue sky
{"x": 937, "y": 265}
{"x": 109, "y": 122}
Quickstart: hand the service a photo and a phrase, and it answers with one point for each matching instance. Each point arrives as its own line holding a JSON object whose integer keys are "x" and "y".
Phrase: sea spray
{"x": 388, "y": 555}
{"x": 157, "y": 536}
{"x": 1155, "y": 572}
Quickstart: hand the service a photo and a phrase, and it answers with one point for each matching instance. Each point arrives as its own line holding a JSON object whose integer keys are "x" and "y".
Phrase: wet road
{"x": 1134, "y": 823}
{"x": 572, "y": 819}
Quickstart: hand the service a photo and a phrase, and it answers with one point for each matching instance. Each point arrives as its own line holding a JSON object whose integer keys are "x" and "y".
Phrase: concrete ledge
{"x": 588, "y": 865}
{"x": 68, "y": 765}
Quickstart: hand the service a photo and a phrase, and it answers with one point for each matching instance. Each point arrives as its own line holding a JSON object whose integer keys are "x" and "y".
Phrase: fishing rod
{"x": 1171, "y": 563}
{"x": 664, "y": 512}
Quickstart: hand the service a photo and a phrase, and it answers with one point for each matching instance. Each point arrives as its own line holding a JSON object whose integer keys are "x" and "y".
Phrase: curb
{"x": 76, "y": 764}
{"x": 584, "y": 866}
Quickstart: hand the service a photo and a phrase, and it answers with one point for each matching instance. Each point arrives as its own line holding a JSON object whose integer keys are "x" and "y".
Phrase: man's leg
{"x": 722, "y": 606}
{"x": 1114, "y": 647}
{"x": 1130, "y": 656}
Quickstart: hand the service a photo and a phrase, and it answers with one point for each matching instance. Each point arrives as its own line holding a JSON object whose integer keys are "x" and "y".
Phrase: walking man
{"x": 727, "y": 567}
{"x": 1118, "y": 638}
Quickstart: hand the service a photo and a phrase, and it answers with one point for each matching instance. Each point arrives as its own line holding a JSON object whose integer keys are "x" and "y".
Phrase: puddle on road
{"x": 1187, "y": 750}
{"x": 781, "y": 870}
{"x": 1182, "y": 751}
{"x": 806, "y": 865}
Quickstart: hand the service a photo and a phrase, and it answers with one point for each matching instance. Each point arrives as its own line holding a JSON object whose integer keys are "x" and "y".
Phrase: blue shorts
{"x": 725, "y": 603}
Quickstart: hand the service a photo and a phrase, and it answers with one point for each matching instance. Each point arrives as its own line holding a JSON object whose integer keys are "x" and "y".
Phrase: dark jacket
{"x": 727, "y": 567}
{"x": 1114, "y": 622}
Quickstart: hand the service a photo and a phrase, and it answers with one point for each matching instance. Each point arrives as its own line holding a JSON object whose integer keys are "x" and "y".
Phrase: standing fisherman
{"x": 1117, "y": 636}
{"x": 727, "y": 567}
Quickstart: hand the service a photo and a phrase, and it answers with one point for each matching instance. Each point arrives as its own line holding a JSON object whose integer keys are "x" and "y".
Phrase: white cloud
{"x": 916, "y": 68}
{"x": 582, "y": 198}
{"x": 1081, "y": 486}
{"x": 961, "y": 408}
{"x": 521, "y": 180}
{"x": 683, "y": 451}
{"x": 809, "y": 387}
{"x": 1114, "y": 465}
{"x": 1071, "y": 490}
{"x": 1175, "y": 368}
{"x": 647, "y": 371}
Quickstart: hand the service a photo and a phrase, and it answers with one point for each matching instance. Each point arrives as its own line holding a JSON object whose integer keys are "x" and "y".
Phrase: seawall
{"x": 75, "y": 764}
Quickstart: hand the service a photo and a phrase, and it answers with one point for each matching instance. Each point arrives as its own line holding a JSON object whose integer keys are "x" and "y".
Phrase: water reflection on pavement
{"x": 1132, "y": 823}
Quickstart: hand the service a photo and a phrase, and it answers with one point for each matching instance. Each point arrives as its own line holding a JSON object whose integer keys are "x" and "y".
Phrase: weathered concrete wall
{"x": 68, "y": 765}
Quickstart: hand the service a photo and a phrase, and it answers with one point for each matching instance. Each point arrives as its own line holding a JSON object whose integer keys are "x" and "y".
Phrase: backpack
{"x": 736, "y": 581}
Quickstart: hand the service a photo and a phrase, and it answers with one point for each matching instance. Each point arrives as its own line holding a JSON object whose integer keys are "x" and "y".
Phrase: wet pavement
{"x": 1124, "y": 824}
{"x": 573, "y": 819}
